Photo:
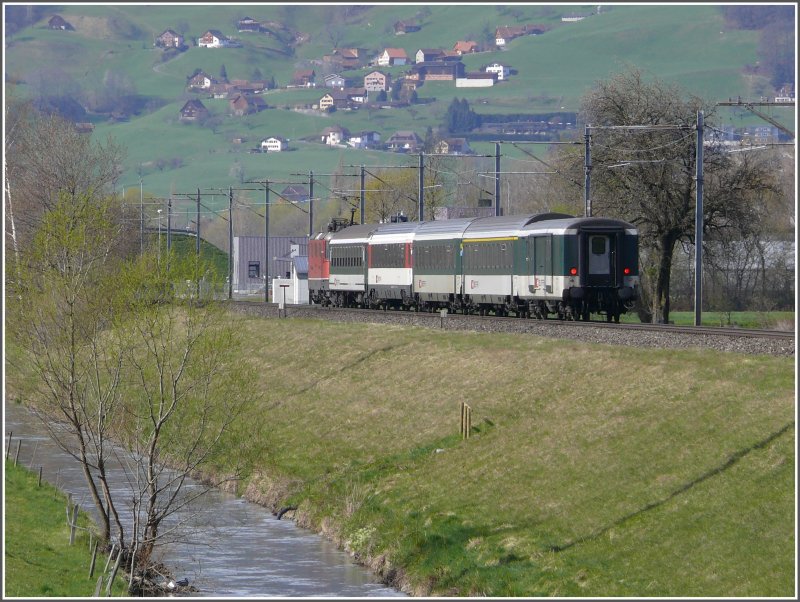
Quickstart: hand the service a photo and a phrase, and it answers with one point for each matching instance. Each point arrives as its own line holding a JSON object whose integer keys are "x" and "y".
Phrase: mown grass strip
{"x": 39, "y": 562}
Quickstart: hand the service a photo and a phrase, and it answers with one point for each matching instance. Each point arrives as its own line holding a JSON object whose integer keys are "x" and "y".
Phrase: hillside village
{"x": 388, "y": 94}
{"x": 352, "y": 78}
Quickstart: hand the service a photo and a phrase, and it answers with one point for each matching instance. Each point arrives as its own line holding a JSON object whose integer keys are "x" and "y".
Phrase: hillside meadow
{"x": 591, "y": 470}
{"x": 688, "y": 45}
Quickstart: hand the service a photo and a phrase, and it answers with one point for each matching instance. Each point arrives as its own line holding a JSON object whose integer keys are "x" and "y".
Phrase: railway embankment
{"x": 590, "y": 470}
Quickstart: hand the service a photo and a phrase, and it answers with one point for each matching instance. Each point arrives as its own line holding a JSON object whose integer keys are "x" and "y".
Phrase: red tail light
{"x": 573, "y": 271}
{"x": 627, "y": 271}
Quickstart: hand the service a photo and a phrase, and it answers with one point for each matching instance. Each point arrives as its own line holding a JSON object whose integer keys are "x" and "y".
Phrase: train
{"x": 528, "y": 266}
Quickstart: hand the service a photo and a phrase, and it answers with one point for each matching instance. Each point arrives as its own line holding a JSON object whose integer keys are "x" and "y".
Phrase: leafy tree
{"x": 381, "y": 97}
{"x": 647, "y": 175}
{"x": 223, "y": 73}
{"x": 59, "y": 315}
{"x": 51, "y": 159}
{"x": 396, "y": 91}
{"x": 460, "y": 117}
{"x": 130, "y": 350}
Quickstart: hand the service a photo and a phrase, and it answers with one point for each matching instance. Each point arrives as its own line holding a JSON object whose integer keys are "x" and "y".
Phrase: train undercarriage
{"x": 611, "y": 303}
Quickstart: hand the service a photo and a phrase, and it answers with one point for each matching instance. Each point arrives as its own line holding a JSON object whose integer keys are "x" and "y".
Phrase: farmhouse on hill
{"x": 169, "y": 39}
{"x": 462, "y": 47}
{"x": 376, "y": 81}
{"x": 304, "y": 77}
{"x": 213, "y": 38}
{"x": 193, "y": 110}
{"x": 392, "y": 56}
{"x": 273, "y": 144}
{"x": 58, "y": 22}
{"x": 403, "y": 27}
{"x": 242, "y": 105}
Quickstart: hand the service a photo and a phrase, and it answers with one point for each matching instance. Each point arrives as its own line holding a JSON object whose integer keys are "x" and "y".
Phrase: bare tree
{"x": 127, "y": 352}
{"x": 59, "y": 318}
{"x": 186, "y": 392}
{"x": 50, "y": 160}
{"x": 646, "y": 174}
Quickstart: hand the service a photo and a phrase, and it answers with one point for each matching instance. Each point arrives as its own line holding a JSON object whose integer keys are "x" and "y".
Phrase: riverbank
{"x": 591, "y": 470}
{"x": 39, "y": 560}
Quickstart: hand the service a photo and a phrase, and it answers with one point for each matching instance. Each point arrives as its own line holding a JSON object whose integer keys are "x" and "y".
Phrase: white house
{"x": 213, "y": 38}
{"x": 392, "y": 56}
{"x": 334, "y": 135}
{"x": 501, "y": 70}
{"x": 274, "y": 144}
{"x": 365, "y": 139}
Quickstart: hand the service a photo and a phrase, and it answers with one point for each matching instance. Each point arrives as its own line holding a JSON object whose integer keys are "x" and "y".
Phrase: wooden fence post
{"x": 16, "y": 456}
{"x": 40, "y": 477}
{"x": 110, "y": 556}
{"x": 35, "y": 447}
{"x": 466, "y": 420}
{"x": 98, "y": 587}
{"x": 73, "y": 525}
{"x": 94, "y": 559}
{"x": 8, "y": 447}
{"x": 113, "y": 573}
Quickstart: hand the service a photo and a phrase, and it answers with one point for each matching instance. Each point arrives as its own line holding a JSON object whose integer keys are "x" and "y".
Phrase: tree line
{"x": 114, "y": 345}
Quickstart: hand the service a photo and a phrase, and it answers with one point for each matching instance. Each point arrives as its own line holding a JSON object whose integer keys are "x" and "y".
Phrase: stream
{"x": 228, "y": 547}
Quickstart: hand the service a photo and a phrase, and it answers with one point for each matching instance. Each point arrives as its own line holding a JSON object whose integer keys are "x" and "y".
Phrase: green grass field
{"x": 592, "y": 470}
{"x": 779, "y": 320}
{"x": 39, "y": 562}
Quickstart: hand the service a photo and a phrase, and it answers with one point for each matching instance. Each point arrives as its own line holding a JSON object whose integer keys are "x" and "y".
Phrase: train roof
{"x": 353, "y": 234}
{"x": 399, "y": 232}
{"x": 506, "y": 225}
{"x": 573, "y": 224}
{"x": 443, "y": 228}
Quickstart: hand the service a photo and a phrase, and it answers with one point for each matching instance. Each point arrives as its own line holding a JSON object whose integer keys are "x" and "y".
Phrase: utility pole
{"x": 266, "y": 241}
{"x": 698, "y": 227}
{"x": 230, "y": 242}
{"x": 587, "y": 172}
{"x": 169, "y": 224}
{"x": 141, "y": 218}
{"x": 421, "y": 197}
{"x": 497, "y": 210}
{"x": 363, "y": 203}
{"x": 310, "y": 204}
{"x": 197, "y": 227}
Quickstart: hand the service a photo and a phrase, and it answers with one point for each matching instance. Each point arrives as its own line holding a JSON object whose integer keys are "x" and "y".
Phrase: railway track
{"x": 771, "y": 342}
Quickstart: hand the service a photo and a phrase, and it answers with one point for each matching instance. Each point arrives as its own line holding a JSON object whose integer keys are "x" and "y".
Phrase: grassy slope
{"x": 623, "y": 452}
{"x": 592, "y": 470}
{"x": 39, "y": 562}
{"x": 683, "y": 44}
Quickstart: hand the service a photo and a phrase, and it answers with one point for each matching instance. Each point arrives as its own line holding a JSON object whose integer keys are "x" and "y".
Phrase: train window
{"x": 598, "y": 245}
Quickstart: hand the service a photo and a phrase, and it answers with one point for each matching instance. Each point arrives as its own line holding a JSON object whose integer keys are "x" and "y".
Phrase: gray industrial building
{"x": 249, "y": 274}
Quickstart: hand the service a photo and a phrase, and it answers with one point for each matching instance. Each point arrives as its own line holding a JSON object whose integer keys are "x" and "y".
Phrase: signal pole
{"x": 587, "y": 172}
{"x": 421, "y": 193}
{"x": 310, "y": 204}
{"x": 698, "y": 226}
{"x": 497, "y": 210}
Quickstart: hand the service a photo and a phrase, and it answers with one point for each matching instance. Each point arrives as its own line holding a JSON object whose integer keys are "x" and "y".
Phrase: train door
{"x": 602, "y": 258}
{"x": 540, "y": 258}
